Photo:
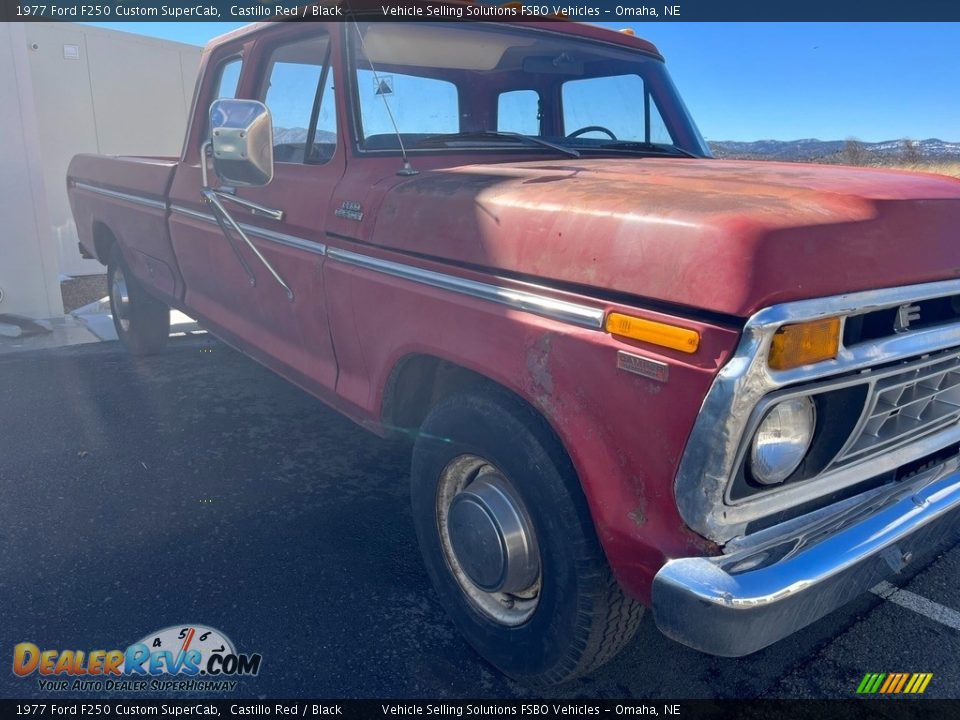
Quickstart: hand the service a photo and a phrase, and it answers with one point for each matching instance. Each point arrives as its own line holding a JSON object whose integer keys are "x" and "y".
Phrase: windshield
{"x": 486, "y": 87}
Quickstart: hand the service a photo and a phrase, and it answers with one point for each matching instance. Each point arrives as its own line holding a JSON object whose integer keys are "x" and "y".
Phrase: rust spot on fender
{"x": 538, "y": 365}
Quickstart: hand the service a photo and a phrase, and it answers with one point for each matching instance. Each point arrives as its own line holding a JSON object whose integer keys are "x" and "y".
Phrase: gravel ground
{"x": 80, "y": 291}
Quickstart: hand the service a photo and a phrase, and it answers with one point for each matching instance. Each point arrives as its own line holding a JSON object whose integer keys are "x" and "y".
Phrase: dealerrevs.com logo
{"x": 185, "y": 658}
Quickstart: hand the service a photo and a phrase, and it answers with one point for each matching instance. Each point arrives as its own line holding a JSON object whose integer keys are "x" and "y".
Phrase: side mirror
{"x": 241, "y": 132}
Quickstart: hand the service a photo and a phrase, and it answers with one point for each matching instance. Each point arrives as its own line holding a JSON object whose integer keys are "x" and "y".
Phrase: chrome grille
{"x": 905, "y": 405}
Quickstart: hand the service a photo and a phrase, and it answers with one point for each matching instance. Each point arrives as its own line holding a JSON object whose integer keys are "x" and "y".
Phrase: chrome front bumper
{"x": 704, "y": 602}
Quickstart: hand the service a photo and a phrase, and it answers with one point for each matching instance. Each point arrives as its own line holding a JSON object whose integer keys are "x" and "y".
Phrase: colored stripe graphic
{"x": 894, "y": 683}
{"x": 892, "y": 679}
{"x": 870, "y": 683}
{"x": 903, "y": 681}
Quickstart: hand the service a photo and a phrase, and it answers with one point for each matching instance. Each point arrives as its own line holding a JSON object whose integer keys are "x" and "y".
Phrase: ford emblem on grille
{"x": 906, "y": 314}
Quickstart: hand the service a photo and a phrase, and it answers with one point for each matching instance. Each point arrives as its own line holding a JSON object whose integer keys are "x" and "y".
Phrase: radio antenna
{"x": 407, "y": 168}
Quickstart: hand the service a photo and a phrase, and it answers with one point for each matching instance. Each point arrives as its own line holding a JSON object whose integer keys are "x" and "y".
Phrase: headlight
{"x": 782, "y": 440}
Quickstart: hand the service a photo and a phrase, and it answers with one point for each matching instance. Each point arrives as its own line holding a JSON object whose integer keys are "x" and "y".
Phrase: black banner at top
{"x": 447, "y": 709}
{"x": 484, "y": 10}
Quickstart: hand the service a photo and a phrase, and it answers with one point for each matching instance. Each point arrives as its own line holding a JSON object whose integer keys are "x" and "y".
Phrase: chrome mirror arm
{"x": 221, "y": 214}
{"x": 254, "y": 208}
{"x": 236, "y": 251}
{"x": 203, "y": 163}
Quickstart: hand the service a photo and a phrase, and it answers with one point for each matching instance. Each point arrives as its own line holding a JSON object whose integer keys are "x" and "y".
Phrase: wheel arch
{"x": 103, "y": 241}
{"x": 418, "y": 381}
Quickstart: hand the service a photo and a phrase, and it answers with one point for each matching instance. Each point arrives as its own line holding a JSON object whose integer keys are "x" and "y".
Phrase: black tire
{"x": 142, "y": 322}
{"x": 582, "y": 618}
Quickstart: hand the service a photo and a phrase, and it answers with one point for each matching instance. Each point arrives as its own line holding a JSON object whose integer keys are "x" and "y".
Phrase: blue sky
{"x": 752, "y": 81}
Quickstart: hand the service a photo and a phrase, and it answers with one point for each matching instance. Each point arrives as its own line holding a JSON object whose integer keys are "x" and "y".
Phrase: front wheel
{"x": 142, "y": 323}
{"x": 509, "y": 545}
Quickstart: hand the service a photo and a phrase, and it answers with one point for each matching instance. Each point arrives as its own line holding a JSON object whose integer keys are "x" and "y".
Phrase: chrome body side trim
{"x": 545, "y": 306}
{"x": 561, "y": 310}
{"x": 263, "y": 233}
{"x": 710, "y": 458}
{"x": 736, "y": 604}
{"x": 138, "y": 199}
{"x": 195, "y": 214}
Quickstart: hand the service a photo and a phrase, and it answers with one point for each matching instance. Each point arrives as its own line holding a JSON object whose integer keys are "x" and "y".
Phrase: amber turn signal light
{"x": 656, "y": 333}
{"x": 805, "y": 343}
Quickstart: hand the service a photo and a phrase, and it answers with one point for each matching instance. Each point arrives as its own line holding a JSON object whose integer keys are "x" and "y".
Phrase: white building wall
{"x": 28, "y": 256}
{"x": 81, "y": 89}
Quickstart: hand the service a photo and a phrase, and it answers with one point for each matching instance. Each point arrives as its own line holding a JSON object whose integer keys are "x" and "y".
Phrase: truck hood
{"x": 725, "y": 236}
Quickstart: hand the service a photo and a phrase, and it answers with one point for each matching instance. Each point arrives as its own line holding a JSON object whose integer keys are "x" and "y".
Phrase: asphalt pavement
{"x": 197, "y": 487}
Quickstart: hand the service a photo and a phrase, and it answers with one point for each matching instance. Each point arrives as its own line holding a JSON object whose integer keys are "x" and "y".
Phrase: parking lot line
{"x": 919, "y": 604}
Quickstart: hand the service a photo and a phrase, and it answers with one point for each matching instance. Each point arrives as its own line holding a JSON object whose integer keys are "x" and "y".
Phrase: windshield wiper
{"x": 498, "y": 135}
{"x": 640, "y": 146}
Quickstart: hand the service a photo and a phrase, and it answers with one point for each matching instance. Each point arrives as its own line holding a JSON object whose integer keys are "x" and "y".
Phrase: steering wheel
{"x": 592, "y": 128}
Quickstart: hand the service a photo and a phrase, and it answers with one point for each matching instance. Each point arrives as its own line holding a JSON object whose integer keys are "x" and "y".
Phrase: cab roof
{"x": 559, "y": 24}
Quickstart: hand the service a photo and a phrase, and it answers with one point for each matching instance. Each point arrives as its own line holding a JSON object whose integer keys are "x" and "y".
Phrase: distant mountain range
{"x": 810, "y": 149}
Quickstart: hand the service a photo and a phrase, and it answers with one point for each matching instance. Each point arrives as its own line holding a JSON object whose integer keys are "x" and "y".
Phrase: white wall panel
{"x": 103, "y": 91}
{"x": 28, "y": 259}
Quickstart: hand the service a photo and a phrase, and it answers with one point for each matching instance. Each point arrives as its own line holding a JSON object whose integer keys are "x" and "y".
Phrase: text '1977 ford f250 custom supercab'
{"x": 634, "y": 376}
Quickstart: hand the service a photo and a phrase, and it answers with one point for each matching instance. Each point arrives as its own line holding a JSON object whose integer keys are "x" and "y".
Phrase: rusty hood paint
{"x": 725, "y": 236}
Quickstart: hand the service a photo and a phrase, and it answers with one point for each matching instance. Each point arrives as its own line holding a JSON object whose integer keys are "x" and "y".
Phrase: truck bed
{"x": 125, "y": 198}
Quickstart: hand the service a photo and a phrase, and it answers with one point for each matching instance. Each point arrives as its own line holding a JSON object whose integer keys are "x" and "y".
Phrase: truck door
{"x": 290, "y": 71}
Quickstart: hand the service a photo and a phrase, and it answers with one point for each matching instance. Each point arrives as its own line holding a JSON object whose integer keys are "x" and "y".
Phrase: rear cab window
{"x": 519, "y": 111}
{"x": 609, "y": 103}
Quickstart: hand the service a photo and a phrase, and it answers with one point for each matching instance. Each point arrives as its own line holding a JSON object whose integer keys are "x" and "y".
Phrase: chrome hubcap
{"x": 488, "y": 540}
{"x": 121, "y": 299}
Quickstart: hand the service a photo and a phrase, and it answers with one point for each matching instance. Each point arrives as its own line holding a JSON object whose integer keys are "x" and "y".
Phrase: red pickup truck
{"x": 633, "y": 375}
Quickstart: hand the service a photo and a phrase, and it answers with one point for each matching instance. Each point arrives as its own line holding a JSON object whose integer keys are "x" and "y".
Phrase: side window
{"x": 611, "y": 102}
{"x": 420, "y": 106}
{"x": 229, "y": 78}
{"x": 519, "y": 111}
{"x": 325, "y": 134}
{"x": 299, "y": 93}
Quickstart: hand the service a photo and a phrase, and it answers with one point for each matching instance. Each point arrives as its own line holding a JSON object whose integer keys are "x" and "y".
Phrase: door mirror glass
{"x": 241, "y": 133}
